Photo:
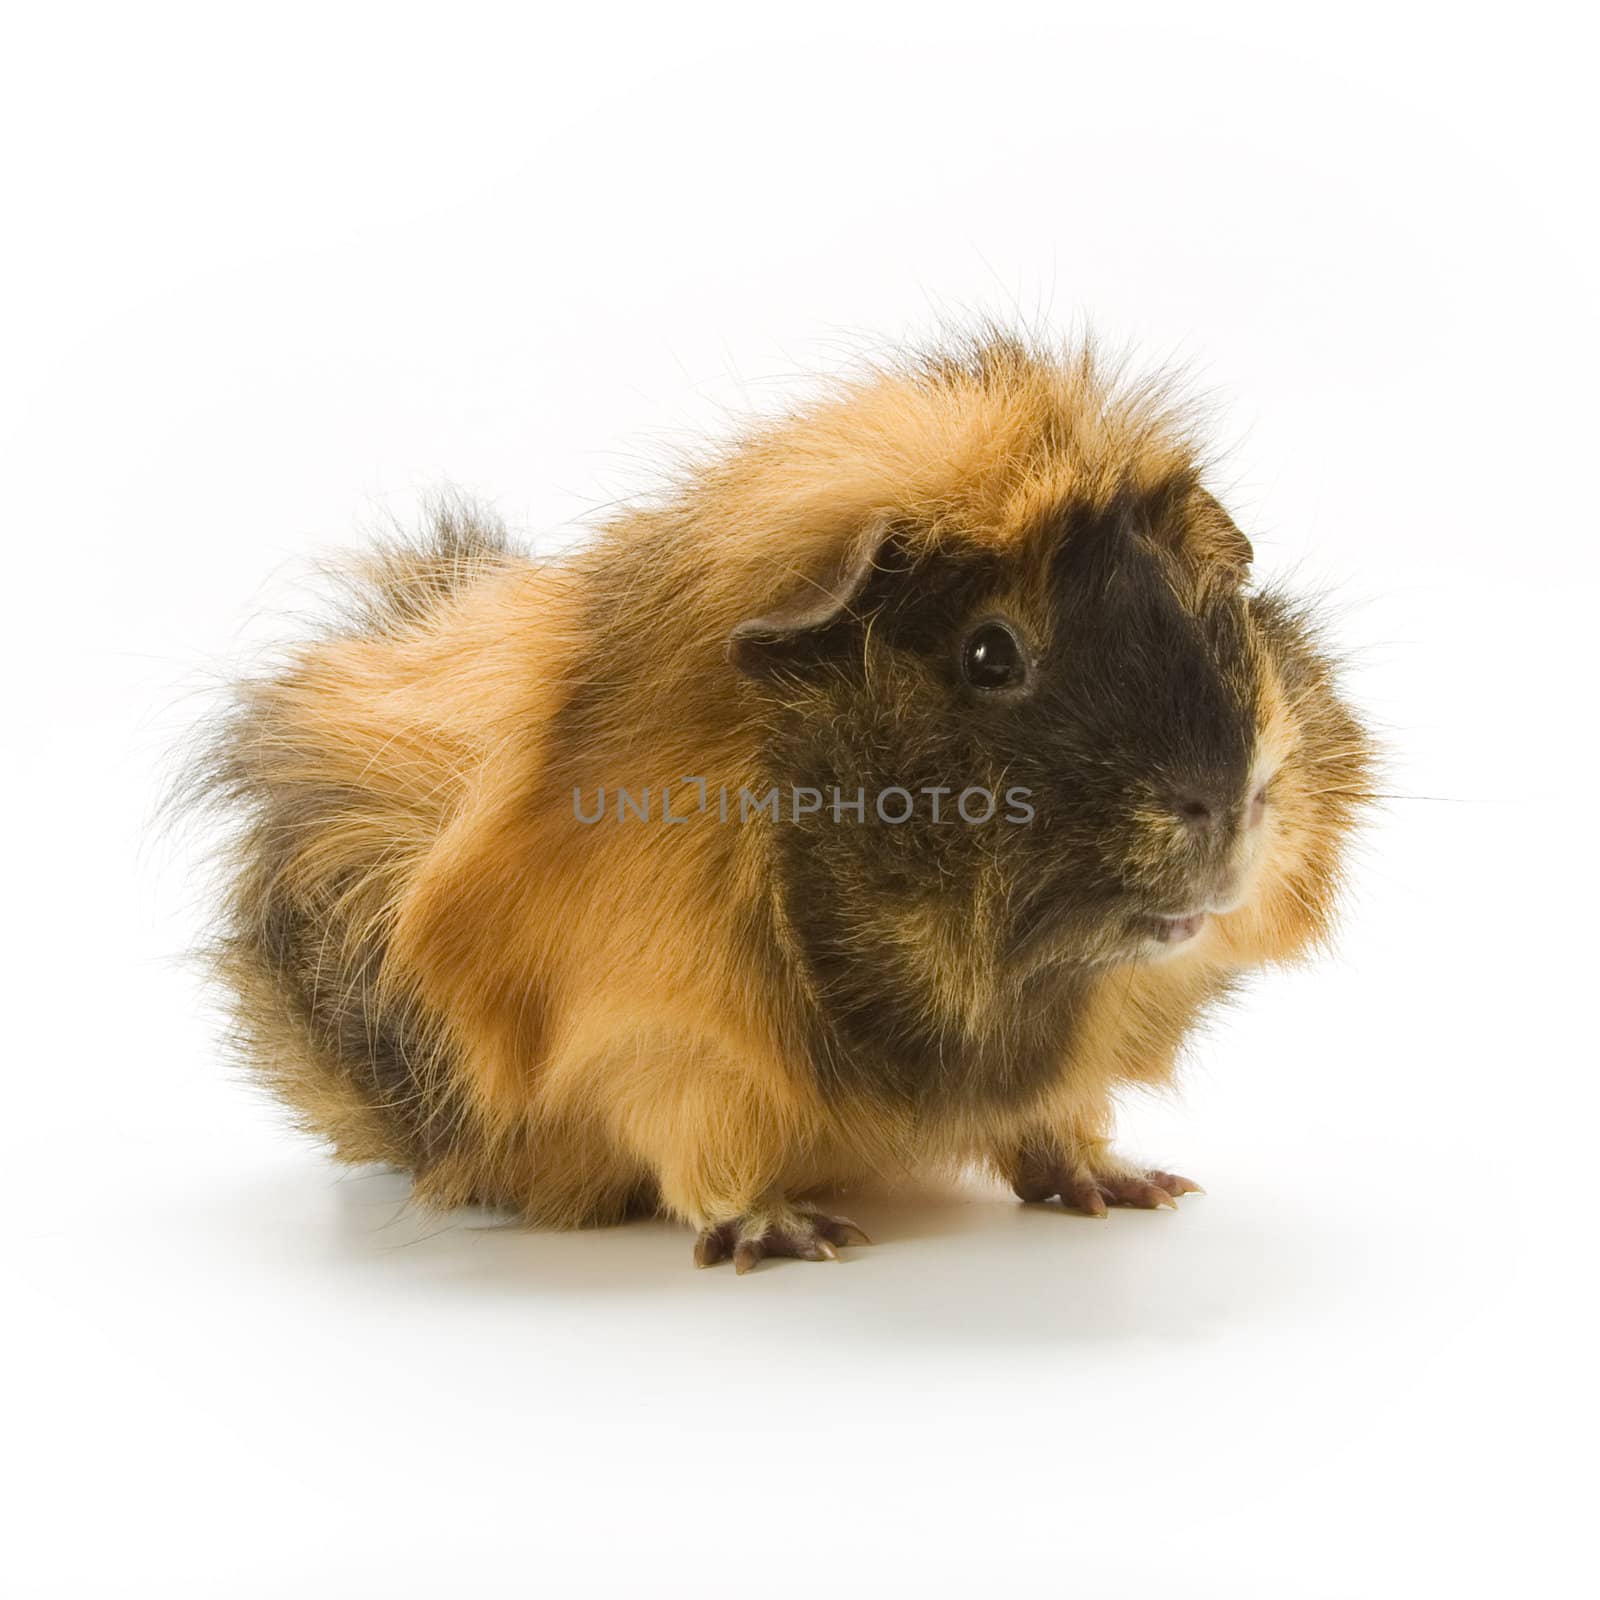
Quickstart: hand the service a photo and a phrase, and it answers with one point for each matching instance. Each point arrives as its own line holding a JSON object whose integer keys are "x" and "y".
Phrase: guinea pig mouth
{"x": 1174, "y": 930}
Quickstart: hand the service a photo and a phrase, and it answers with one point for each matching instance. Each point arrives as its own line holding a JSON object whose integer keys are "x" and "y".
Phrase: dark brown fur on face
{"x": 989, "y": 571}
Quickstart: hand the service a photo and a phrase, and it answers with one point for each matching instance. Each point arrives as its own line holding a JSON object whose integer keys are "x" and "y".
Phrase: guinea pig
{"x": 909, "y": 777}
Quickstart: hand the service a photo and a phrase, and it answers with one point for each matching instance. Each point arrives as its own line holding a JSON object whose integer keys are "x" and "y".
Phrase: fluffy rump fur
{"x": 436, "y": 963}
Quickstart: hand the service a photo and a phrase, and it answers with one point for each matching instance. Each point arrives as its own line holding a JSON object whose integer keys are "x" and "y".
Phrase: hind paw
{"x": 1092, "y": 1186}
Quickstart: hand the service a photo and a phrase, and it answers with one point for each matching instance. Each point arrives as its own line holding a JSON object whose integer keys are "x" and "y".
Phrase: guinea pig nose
{"x": 1199, "y": 811}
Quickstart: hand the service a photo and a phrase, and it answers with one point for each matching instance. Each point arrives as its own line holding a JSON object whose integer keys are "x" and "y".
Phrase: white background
{"x": 269, "y": 278}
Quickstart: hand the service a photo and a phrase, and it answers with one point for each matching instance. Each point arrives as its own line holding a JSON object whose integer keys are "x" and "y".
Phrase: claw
{"x": 841, "y": 1230}
{"x": 711, "y": 1247}
{"x": 1085, "y": 1196}
{"x": 1138, "y": 1192}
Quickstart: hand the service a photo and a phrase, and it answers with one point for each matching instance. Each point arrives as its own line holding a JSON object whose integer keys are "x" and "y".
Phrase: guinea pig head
{"x": 1097, "y": 725}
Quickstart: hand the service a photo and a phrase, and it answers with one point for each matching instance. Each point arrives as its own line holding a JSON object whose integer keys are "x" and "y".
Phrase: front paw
{"x": 1092, "y": 1184}
{"x": 779, "y": 1230}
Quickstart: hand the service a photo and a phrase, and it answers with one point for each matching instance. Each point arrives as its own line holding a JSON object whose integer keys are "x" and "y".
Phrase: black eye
{"x": 992, "y": 657}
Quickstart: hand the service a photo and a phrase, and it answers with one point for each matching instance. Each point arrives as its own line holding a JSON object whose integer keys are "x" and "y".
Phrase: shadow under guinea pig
{"x": 962, "y": 1264}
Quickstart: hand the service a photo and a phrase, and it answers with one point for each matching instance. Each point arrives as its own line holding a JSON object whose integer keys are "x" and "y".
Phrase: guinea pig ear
{"x": 1214, "y": 535}
{"x": 780, "y": 635}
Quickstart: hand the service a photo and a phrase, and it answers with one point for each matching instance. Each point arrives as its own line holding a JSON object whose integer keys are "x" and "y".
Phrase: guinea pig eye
{"x": 992, "y": 657}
